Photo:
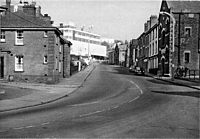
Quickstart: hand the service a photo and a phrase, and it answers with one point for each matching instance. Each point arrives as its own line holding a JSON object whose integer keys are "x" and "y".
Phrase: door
{"x": 1, "y": 67}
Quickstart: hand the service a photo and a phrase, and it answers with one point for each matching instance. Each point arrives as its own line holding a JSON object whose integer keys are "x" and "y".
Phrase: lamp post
{"x": 173, "y": 42}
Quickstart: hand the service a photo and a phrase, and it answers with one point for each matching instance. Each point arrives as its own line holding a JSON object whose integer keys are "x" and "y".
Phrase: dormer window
{"x": 19, "y": 39}
{"x": 3, "y": 36}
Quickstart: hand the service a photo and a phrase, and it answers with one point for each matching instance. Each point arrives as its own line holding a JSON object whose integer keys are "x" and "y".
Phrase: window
{"x": 188, "y": 31}
{"x": 2, "y": 36}
{"x": 156, "y": 48}
{"x": 163, "y": 38}
{"x": 45, "y": 59}
{"x": 45, "y": 34}
{"x": 60, "y": 65}
{"x": 19, "y": 63}
{"x": 19, "y": 38}
{"x": 60, "y": 49}
{"x": 191, "y": 15}
{"x": 187, "y": 56}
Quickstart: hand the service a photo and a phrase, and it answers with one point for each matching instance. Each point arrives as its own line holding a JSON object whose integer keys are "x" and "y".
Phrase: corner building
{"x": 32, "y": 50}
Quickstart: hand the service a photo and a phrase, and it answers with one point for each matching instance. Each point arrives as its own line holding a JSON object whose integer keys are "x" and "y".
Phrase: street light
{"x": 173, "y": 40}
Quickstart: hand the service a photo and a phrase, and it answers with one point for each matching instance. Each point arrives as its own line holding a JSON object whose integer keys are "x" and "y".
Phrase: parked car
{"x": 136, "y": 70}
{"x": 139, "y": 71}
{"x": 132, "y": 69}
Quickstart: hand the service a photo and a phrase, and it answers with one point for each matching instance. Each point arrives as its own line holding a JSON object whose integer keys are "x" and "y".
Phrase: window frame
{"x": 189, "y": 57}
{"x": 3, "y": 36}
{"x": 45, "y": 34}
{"x": 190, "y": 32}
{"x": 45, "y": 60}
{"x": 19, "y": 38}
{"x": 19, "y": 63}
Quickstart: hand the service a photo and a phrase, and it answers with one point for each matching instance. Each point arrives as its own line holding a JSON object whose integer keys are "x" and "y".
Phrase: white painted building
{"x": 84, "y": 43}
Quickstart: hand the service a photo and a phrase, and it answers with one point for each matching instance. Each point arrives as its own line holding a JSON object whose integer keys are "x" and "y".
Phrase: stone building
{"x": 32, "y": 50}
{"x": 186, "y": 15}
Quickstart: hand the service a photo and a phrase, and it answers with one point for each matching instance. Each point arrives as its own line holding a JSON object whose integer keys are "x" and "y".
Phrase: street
{"x": 112, "y": 103}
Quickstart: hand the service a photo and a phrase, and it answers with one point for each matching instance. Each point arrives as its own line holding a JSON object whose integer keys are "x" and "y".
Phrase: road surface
{"x": 112, "y": 103}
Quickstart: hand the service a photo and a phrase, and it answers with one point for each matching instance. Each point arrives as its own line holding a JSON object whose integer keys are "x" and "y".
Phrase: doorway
{"x": 1, "y": 67}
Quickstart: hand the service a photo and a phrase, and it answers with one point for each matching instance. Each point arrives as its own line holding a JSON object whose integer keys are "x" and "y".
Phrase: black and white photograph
{"x": 100, "y": 69}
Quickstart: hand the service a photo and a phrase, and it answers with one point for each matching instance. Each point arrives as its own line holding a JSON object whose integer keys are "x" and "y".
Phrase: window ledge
{"x": 19, "y": 71}
{"x": 19, "y": 44}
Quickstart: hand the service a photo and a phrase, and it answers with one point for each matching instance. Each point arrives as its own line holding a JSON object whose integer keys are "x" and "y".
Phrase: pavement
{"x": 18, "y": 95}
{"x": 194, "y": 84}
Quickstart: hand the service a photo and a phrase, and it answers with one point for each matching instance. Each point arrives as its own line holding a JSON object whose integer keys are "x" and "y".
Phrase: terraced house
{"x": 32, "y": 50}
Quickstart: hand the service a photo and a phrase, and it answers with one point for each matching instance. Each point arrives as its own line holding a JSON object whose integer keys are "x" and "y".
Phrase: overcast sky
{"x": 118, "y": 19}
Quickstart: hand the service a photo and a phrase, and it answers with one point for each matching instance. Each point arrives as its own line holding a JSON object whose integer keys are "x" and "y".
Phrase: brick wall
{"x": 33, "y": 51}
{"x": 187, "y": 43}
{"x": 35, "y": 47}
{"x": 66, "y": 61}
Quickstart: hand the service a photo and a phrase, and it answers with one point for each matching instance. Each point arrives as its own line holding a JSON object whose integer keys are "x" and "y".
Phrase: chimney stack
{"x": 8, "y": 2}
{"x": 29, "y": 9}
{"x": 153, "y": 20}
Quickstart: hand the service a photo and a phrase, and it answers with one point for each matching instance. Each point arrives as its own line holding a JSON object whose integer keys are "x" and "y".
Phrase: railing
{"x": 186, "y": 73}
{"x": 193, "y": 73}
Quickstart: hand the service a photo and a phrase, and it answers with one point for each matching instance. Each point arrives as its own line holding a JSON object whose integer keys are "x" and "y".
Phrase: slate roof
{"x": 184, "y": 6}
{"x": 22, "y": 20}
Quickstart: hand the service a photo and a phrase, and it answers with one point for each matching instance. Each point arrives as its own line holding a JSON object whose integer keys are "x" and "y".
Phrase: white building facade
{"x": 84, "y": 44}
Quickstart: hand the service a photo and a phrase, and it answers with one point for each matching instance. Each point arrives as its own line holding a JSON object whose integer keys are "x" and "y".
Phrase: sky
{"x": 117, "y": 19}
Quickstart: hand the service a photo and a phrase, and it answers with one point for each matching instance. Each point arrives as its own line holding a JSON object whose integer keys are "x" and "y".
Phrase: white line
{"x": 84, "y": 104}
{"x": 133, "y": 99}
{"x": 115, "y": 107}
{"x": 137, "y": 87}
{"x": 45, "y": 123}
{"x": 18, "y": 128}
{"x": 88, "y": 114}
{"x": 29, "y": 126}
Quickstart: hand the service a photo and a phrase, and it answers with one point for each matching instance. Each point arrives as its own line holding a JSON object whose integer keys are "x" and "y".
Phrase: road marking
{"x": 137, "y": 86}
{"x": 91, "y": 113}
{"x": 133, "y": 99}
{"x": 45, "y": 123}
{"x": 84, "y": 104}
{"x": 29, "y": 126}
{"x": 110, "y": 108}
{"x": 18, "y": 128}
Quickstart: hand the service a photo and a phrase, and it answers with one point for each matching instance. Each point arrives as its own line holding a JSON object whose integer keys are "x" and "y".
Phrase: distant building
{"x": 85, "y": 43}
{"x": 152, "y": 45}
{"x": 131, "y": 53}
{"x": 122, "y": 54}
{"x": 186, "y": 35}
{"x": 31, "y": 49}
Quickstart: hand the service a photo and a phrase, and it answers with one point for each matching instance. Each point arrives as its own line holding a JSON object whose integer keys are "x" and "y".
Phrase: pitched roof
{"x": 184, "y": 5}
{"x": 22, "y": 20}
